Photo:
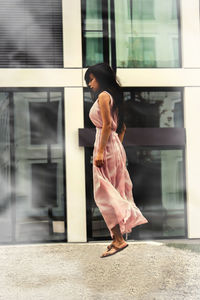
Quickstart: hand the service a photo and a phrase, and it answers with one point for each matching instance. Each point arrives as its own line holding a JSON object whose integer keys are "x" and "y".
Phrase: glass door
{"x": 155, "y": 146}
{"x": 32, "y": 166}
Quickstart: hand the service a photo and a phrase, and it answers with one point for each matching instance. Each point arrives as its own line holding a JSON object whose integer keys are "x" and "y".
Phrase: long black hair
{"x": 108, "y": 81}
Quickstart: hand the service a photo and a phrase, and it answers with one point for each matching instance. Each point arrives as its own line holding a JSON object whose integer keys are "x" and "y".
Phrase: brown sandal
{"x": 117, "y": 250}
{"x": 110, "y": 246}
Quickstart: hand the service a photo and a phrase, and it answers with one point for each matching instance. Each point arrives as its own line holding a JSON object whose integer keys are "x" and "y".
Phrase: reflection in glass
{"x": 147, "y": 108}
{"x": 158, "y": 189}
{"x": 94, "y": 47}
{"x": 43, "y": 122}
{"x": 93, "y": 32}
{"x": 141, "y": 9}
{"x": 142, "y": 51}
{"x": 153, "y": 108}
{"x": 37, "y": 210}
{"x": 31, "y": 34}
{"x": 5, "y": 169}
{"x": 44, "y": 185}
{"x": 146, "y": 32}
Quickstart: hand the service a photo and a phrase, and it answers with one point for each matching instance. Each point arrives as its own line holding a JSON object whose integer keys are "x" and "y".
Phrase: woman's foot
{"x": 116, "y": 247}
{"x": 118, "y": 243}
{"x": 110, "y": 246}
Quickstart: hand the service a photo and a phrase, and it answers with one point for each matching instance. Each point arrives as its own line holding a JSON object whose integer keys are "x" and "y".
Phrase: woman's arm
{"x": 121, "y": 134}
{"x": 104, "y": 105}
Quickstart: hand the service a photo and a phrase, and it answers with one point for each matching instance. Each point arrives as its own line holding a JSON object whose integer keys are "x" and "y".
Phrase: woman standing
{"x": 112, "y": 185}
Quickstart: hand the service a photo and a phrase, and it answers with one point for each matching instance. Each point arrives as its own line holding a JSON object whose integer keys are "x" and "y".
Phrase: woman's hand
{"x": 98, "y": 161}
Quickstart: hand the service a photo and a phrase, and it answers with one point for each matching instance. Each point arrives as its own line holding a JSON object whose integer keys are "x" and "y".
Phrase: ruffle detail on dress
{"x": 132, "y": 219}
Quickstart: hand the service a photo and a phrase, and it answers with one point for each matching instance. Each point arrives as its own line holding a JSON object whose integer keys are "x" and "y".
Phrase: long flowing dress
{"x": 112, "y": 186}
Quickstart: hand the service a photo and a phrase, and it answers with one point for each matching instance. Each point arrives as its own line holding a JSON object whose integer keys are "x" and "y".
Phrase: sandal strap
{"x": 117, "y": 248}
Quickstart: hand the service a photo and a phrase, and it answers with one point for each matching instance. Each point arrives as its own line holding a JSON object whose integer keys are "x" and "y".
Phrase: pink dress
{"x": 112, "y": 185}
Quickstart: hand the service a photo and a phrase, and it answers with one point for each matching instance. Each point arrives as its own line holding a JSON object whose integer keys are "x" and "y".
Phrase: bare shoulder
{"x": 104, "y": 98}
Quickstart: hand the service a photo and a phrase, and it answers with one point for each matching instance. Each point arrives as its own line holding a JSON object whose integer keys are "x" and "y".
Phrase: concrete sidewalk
{"x": 145, "y": 270}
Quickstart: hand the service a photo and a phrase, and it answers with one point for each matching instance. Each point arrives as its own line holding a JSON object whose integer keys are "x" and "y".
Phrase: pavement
{"x": 145, "y": 270}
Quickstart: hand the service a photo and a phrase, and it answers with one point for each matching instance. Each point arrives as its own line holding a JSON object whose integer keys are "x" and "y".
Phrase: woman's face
{"x": 93, "y": 83}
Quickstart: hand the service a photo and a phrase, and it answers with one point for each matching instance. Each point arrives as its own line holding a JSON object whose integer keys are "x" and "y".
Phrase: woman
{"x": 111, "y": 181}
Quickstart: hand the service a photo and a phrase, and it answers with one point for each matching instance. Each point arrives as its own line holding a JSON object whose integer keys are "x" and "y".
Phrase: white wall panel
{"x": 190, "y": 32}
{"x": 72, "y": 41}
{"x": 191, "y": 111}
{"x": 75, "y": 167}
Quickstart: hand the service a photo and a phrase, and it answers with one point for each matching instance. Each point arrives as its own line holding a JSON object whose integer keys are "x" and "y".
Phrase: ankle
{"x": 120, "y": 240}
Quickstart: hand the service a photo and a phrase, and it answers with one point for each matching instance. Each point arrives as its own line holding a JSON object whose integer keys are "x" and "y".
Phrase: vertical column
{"x": 75, "y": 166}
{"x": 190, "y": 33}
{"x": 191, "y": 111}
{"x": 72, "y": 34}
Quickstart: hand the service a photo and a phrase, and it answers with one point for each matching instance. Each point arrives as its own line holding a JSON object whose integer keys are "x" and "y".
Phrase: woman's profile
{"x": 112, "y": 185}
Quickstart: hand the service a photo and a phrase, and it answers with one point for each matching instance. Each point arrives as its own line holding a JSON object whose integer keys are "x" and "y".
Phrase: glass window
{"x": 152, "y": 35}
{"x": 32, "y": 165}
{"x": 157, "y": 172}
{"x": 155, "y": 109}
{"x": 31, "y": 34}
{"x": 174, "y": 6}
{"x": 93, "y": 32}
{"x": 140, "y": 9}
{"x": 94, "y": 14}
{"x": 148, "y": 108}
{"x": 144, "y": 33}
{"x": 45, "y": 131}
{"x": 142, "y": 52}
{"x": 94, "y": 47}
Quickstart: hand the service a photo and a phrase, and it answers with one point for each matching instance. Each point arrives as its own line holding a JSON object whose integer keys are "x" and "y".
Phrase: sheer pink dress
{"x": 112, "y": 185}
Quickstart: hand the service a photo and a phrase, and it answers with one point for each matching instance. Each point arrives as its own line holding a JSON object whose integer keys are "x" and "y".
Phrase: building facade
{"x": 46, "y": 134}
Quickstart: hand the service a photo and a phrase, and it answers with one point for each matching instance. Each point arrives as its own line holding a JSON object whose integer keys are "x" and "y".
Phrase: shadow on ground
{"x": 192, "y": 247}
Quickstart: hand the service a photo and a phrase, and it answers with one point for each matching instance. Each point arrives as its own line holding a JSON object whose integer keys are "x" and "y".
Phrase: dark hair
{"x": 108, "y": 81}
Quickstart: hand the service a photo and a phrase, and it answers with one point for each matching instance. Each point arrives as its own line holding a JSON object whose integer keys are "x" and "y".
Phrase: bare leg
{"x": 118, "y": 236}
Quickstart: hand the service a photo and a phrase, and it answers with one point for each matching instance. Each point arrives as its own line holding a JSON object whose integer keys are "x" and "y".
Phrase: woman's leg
{"x": 110, "y": 246}
{"x": 118, "y": 236}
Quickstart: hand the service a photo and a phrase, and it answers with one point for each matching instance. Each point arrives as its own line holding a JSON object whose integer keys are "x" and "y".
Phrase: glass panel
{"x": 141, "y": 52}
{"x": 174, "y": 8}
{"x": 31, "y": 34}
{"x": 148, "y": 108}
{"x": 145, "y": 34}
{"x": 94, "y": 47}
{"x": 39, "y": 166}
{"x": 141, "y": 9}
{"x": 158, "y": 189}
{"x": 153, "y": 109}
{"x": 176, "y": 53}
{"x": 5, "y": 170}
{"x": 93, "y": 32}
{"x": 37, "y": 212}
{"x": 93, "y": 15}
{"x": 44, "y": 131}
